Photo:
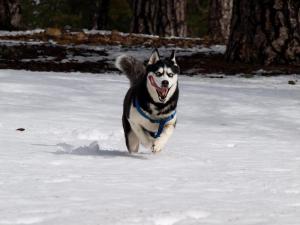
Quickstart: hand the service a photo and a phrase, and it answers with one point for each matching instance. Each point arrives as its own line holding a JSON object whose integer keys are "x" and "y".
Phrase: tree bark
{"x": 10, "y": 14}
{"x": 265, "y": 31}
{"x": 159, "y": 17}
{"x": 101, "y": 16}
{"x": 220, "y": 14}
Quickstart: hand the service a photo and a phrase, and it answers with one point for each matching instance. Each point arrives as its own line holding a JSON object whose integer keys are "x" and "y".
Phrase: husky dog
{"x": 149, "y": 110}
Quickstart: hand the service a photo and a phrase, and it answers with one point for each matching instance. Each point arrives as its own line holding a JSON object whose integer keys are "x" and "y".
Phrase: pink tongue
{"x": 164, "y": 92}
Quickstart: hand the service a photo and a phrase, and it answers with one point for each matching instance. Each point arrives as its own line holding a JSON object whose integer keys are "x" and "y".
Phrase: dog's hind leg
{"x": 132, "y": 141}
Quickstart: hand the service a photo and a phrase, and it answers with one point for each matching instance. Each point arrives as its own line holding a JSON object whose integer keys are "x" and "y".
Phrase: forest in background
{"x": 79, "y": 14}
{"x": 259, "y": 35}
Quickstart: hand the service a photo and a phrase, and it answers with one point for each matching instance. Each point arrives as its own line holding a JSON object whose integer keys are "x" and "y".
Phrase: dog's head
{"x": 162, "y": 77}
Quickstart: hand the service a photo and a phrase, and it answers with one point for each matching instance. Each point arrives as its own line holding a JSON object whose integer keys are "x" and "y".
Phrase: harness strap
{"x": 161, "y": 122}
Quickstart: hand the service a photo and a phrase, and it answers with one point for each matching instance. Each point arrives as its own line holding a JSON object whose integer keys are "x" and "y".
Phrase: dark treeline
{"x": 265, "y": 32}
{"x": 162, "y": 17}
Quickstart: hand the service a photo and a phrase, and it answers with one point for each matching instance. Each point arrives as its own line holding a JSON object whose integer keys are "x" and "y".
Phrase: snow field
{"x": 234, "y": 157}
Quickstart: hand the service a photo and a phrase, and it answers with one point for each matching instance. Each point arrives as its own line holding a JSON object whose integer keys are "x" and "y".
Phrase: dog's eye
{"x": 170, "y": 74}
{"x": 158, "y": 74}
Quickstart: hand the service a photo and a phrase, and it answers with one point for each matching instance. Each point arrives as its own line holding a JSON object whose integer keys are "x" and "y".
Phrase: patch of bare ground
{"x": 57, "y": 50}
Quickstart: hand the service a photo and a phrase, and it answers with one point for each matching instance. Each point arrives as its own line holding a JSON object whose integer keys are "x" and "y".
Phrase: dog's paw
{"x": 156, "y": 147}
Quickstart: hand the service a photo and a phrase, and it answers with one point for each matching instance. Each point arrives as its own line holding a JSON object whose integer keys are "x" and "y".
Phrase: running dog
{"x": 149, "y": 110}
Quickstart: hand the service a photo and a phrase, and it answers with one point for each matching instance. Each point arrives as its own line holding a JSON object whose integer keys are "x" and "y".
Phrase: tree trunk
{"x": 101, "y": 16}
{"x": 159, "y": 17}
{"x": 10, "y": 14}
{"x": 220, "y": 14}
{"x": 265, "y": 31}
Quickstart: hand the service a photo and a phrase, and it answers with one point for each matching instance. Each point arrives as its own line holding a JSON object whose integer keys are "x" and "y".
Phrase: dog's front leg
{"x": 161, "y": 141}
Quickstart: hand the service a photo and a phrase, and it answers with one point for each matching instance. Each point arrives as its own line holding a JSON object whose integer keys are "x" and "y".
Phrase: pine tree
{"x": 10, "y": 14}
{"x": 265, "y": 31}
{"x": 220, "y": 13}
{"x": 159, "y": 17}
{"x": 101, "y": 15}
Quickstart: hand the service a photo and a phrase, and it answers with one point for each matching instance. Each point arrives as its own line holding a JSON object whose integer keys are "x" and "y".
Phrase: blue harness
{"x": 161, "y": 122}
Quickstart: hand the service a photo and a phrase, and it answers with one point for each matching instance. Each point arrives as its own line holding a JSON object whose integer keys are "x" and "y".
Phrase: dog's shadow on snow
{"x": 93, "y": 150}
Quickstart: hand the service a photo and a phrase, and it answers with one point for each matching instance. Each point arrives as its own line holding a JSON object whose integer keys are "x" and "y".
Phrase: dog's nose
{"x": 165, "y": 83}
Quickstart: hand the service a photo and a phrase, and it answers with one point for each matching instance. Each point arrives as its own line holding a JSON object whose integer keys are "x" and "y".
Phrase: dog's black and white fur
{"x": 153, "y": 96}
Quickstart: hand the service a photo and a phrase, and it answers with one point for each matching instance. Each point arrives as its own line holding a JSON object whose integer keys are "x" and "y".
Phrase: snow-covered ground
{"x": 234, "y": 157}
{"x": 20, "y": 33}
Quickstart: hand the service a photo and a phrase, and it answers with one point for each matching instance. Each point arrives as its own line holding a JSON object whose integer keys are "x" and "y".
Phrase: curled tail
{"x": 133, "y": 68}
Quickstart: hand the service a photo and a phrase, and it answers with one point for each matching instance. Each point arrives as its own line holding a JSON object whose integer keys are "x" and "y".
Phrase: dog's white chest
{"x": 144, "y": 124}
{"x": 136, "y": 119}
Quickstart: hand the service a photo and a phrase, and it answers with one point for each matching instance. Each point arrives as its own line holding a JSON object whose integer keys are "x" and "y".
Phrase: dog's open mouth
{"x": 162, "y": 92}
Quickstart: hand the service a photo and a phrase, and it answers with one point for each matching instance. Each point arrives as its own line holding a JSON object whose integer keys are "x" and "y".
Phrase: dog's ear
{"x": 154, "y": 58}
{"x": 173, "y": 58}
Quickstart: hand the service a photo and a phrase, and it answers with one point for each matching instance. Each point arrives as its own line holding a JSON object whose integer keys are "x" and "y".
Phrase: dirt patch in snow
{"x": 95, "y": 52}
